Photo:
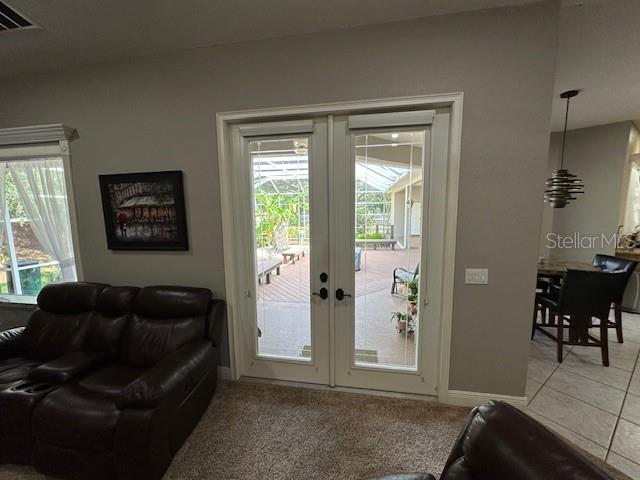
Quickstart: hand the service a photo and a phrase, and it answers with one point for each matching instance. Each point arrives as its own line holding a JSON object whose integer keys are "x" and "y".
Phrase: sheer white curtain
{"x": 632, "y": 209}
{"x": 41, "y": 187}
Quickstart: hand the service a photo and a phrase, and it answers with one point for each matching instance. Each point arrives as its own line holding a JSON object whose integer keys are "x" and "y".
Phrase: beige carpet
{"x": 258, "y": 431}
{"x": 272, "y": 432}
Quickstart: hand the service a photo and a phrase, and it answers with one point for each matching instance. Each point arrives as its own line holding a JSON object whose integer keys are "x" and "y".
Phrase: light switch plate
{"x": 476, "y": 276}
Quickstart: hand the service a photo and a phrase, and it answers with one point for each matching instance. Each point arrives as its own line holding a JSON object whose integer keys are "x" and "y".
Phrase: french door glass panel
{"x": 387, "y": 239}
{"x": 383, "y": 200}
{"x": 281, "y": 196}
{"x": 355, "y": 210}
{"x": 282, "y": 214}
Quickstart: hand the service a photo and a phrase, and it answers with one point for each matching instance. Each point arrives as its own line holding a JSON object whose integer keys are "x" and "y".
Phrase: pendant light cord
{"x": 564, "y": 133}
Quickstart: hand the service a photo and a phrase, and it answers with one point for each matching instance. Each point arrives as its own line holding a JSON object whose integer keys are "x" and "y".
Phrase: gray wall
{"x": 158, "y": 113}
{"x": 598, "y": 155}
{"x": 14, "y": 315}
{"x": 546, "y": 227}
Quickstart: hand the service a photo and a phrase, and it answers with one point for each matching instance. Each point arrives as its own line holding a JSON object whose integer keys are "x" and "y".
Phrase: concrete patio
{"x": 284, "y": 318}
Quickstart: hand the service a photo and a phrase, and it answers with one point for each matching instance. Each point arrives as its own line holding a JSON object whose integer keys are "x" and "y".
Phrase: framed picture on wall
{"x": 144, "y": 211}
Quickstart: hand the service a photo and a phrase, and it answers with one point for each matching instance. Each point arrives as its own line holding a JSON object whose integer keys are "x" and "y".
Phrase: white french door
{"x": 385, "y": 244}
{"x": 284, "y": 217}
{"x": 342, "y": 221}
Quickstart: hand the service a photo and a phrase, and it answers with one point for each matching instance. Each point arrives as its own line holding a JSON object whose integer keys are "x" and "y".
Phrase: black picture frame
{"x": 144, "y": 211}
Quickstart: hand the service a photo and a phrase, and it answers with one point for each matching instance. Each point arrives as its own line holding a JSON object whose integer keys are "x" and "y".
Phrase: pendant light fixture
{"x": 563, "y": 186}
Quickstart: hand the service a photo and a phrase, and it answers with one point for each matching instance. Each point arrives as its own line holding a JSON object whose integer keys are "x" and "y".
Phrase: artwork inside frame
{"x": 144, "y": 211}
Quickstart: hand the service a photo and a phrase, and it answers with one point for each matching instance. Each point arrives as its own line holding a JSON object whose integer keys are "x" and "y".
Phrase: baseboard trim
{"x": 327, "y": 388}
{"x": 455, "y": 397}
{"x": 224, "y": 373}
{"x": 471, "y": 399}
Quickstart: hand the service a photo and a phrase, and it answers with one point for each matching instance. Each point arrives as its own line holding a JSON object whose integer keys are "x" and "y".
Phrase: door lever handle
{"x": 323, "y": 294}
{"x": 340, "y": 294}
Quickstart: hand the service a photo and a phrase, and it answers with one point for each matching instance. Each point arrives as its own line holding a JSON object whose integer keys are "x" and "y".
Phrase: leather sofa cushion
{"x": 50, "y": 335}
{"x": 106, "y": 324}
{"x": 115, "y": 301}
{"x": 84, "y": 415}
{"x": 73, "y": 417}
{"x": 147, "y": 340}
{"x": 171, "y": 302}
{"x": 69, "y": 298}
{"x": 176, "y": 373}
{"x": 164, "y": 319}
{"x": 498, "y": 435}
{"x": 68, "y": 367}
{"x": 110, "y": 380}
{"x": 57, "y": 326}
{"x": 16, "y": 368}
{"x": 10, "y": 342}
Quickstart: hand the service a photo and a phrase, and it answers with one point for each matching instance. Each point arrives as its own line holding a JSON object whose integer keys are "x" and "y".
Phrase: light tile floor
{"x": 595, "y": 407}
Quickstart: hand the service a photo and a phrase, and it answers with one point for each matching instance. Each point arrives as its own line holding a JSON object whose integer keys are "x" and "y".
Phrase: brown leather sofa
{"x": 500, "y": 442}
{"x": 107, "y": 382}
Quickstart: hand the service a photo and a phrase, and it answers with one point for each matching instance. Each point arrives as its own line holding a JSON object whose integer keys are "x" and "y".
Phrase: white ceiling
{"x": 79, "y": 31}
{"x": 599, "y": 53}
{"x": 599, "y": 44}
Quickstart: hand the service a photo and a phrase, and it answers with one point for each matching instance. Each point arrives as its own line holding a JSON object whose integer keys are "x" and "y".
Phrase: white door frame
{"x": 234, "y": 244}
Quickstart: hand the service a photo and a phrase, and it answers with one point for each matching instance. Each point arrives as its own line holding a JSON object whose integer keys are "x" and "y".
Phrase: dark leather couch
{"x": 107, "y": 382}
{"x": 500, "y": 442}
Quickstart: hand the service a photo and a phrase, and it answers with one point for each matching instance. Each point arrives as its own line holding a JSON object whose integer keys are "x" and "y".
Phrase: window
{"x": 36, "y": 242}
{"x": 632, "y": 208}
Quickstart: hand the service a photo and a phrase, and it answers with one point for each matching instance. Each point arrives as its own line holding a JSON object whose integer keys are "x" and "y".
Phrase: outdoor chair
{"x": 402, "y": 275}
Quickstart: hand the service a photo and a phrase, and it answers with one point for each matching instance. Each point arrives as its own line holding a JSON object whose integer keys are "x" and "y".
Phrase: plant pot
{"x": 401, "y": 326}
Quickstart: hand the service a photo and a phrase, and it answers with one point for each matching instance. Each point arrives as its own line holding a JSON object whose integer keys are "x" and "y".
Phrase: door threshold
{"x": 359, "y": 391}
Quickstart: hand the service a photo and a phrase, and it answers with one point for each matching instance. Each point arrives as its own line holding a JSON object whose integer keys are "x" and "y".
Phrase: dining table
{"x": 553, "y": 268}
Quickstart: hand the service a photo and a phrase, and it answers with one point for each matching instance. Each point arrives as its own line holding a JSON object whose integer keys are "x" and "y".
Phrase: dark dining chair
{"x": 608, "y": 263}
{"x": 542, "y": 286}
{"x": 582, "y": 297}
{"x": 402, "y": 275}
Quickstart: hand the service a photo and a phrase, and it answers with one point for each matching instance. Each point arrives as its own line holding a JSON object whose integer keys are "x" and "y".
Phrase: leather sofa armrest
{"x": 68, "y": 367}
{"x": 457, "y": 450}
{"x": 407, "y": 476}
{"x": 10, "y": 342}
{"x": 178, "y": 372}
{"x": 216, "y": 321}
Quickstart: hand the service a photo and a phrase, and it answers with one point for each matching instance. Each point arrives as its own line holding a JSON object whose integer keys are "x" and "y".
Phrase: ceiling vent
{"x": 11, "y": 20}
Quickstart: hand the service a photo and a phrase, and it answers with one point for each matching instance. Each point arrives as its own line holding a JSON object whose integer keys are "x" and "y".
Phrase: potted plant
{"x": 403, "y": 321}
{"x": 412, "y": 296}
